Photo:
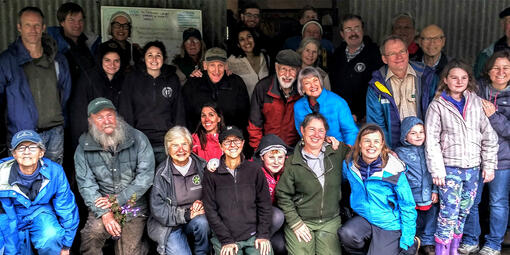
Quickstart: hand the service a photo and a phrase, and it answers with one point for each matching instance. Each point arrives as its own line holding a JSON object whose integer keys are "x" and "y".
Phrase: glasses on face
{"x": 394, "y": 54}
{"x": 231, "y": 142}
{"x": 285, "y": 70}
{"x": 117, "y": 25}
{"x": 31, "y": 148}
{"x": 432, "y": 39}
{"x": 252, "y": 16}
{"x": 352, "y": 29}
{"x": 191, "y": 41}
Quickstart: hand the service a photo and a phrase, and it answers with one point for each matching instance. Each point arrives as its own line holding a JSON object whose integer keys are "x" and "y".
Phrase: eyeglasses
{"x": 192, "y": 41}
{"x": 31, "y": 148}
{"x": 394, "y": 54}
{"x": 251, "y": 15}
{"x": 352, "y": 29}
{"x": 117, "y": 25}
{"x": 432, "y": 39}
{"x": 237, "y": 142}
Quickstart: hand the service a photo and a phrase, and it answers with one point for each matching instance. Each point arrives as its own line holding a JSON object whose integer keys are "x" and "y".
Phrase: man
{"x": 403, "y": 25}
{"x": 398, "y": 89}
{"x": 35, "y": 83}
{"x": 236, "y": 201}
{"x": 250, "y": 17}
{"x": 113, "y": 159}
{"x": 432, "y": 41}
{"x": 228, "y": 92}
{"x": 501, "y": 44}
{"x": 34, "y": 192}
{"x": 307, "y": 13}
{"x": 272, "y": 103}
{"x": 353, "y": 63}
{"x": 72, "y": 42}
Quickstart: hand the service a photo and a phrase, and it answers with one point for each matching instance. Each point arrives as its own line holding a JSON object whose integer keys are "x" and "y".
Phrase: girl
{"x": 205, "y": 138}
{"x": 382, "y": 198}
{"x": 460, "y": 140}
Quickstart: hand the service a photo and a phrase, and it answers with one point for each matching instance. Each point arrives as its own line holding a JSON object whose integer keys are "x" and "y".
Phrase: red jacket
{"x": 271, "y": 113}
{"x": 212, "y": 148}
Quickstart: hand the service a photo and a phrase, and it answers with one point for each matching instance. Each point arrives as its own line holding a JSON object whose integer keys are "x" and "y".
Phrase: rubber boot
{"x": 442, "y": 249}
{"x": 454, "y": 245}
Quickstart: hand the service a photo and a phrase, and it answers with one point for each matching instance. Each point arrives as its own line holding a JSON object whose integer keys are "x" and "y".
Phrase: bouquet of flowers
{"x": 120, "y": 213}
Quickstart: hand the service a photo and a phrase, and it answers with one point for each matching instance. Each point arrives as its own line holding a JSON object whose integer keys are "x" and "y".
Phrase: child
{"x": 424, "y": 192}
{"x": 460, "y": 141}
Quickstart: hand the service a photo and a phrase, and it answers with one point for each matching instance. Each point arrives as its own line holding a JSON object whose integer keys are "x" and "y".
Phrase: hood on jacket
{"x": 405, "y": 127}
{"x": 268, "y": 140}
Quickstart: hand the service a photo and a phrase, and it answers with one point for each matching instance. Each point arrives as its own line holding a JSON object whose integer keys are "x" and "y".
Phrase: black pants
{"x": 357, "y": 233}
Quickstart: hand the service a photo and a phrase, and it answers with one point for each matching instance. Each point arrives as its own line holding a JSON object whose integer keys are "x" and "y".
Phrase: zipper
{"x": 235, "y": 185}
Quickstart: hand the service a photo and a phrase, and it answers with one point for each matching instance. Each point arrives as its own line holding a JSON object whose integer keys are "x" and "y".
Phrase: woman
{"x": 330, "y": 105}
{"x": 382, "y": 198}
{"x": 105, "y": 80}
{"x": 151, "y": 100}
{"x": 494, "y": 89}
{"x": 176, "y": 198}
{"x": 247, "y": 60}
{"x": 192, "y": 53}
{"x": 308, "y": 191}
{"x": 309, "y": 49}
{"x": 205, "y": 139}
{"x": 460, "y": 144}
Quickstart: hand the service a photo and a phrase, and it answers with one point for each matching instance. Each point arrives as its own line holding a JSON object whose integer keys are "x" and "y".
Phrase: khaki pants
{"x": 94, "y": 235}
{"x": 324, "y": 238}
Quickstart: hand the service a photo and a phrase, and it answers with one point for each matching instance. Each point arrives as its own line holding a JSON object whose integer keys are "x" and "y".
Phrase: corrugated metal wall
{"x": 213, "y": 14}
{"x": 469, "y": 25}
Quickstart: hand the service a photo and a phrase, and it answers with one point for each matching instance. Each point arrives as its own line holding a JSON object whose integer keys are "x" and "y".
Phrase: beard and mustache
{"x": 109, "y": 141}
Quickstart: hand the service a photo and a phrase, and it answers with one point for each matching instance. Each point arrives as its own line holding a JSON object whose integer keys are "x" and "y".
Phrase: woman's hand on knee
{"x": 263, "y": 245}
{"x": 303, "y": 233}
{"x": 229, "y": 249}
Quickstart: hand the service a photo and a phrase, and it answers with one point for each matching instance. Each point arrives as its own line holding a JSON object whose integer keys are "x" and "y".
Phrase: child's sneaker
{"x": 467, "y": 249}
{"x": 488, "y": 251}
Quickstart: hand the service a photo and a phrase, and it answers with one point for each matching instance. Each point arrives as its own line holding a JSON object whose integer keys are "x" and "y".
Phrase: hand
{"x": 303, "y": 234}
{"x": 263, "y": 245}
{"x": 333, "y": 141}
{"x": 355, "y": 118}
{"x": 435, "y": 197}
{"x": 213, "y": 164}
{"x": 229, "y": 249}
{"x": 194, "y": 214}
{"x": 111, "y": 225}
{"x": 488, "y": 175}
{"x": 394, "y": 154}
{"x": 64, "y": 252}
{"x": 103, "y": 203}
{"x": 488, "y": 108}
{"x": 438, "y": 181}
{"x": 196, "y": 73}
{"x": 197, "y": 205}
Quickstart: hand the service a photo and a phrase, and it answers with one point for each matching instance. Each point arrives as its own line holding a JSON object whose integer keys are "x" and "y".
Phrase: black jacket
{"x": 152, "y": 105}
{"x": 230, "y": 94}
{"x": 350, "y": 79}
{"x": 92, "y": 84}
{"x": 237, "y": 208}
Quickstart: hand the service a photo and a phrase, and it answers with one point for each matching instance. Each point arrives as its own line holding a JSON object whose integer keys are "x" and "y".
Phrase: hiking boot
{"x": 467, "y": 249}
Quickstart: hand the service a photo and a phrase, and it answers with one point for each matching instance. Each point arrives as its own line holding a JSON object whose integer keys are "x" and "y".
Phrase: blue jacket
{"x": 381, "y": 107}
{"x": 385, "y": 199}
{"x": 55, "y": 196}
{"x": 93, "y": 41}
{"x": 413, "y": 156}
{"x": 21, "y": 110}
{"x": 499, "y": 120}
{"x": 8, "y": 232}
{"x": 335, "y": 110}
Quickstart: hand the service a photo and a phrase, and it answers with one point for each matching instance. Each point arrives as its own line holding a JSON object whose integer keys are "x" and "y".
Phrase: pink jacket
{"x": 212, "y": 147}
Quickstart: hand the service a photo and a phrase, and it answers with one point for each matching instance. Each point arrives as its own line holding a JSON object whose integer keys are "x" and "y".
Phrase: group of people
{"x": 364, "y": 149}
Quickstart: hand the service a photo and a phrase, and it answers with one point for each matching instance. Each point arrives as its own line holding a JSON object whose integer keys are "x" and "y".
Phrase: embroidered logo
{"x": 360, "y": 67}
{"x": 196, "y": 180}
{"x": 167, "y": 92}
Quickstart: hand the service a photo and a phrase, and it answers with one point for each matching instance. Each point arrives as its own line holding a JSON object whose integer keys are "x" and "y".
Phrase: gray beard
{"x": 111, "y": 141}
{"x": 285, "y": 85}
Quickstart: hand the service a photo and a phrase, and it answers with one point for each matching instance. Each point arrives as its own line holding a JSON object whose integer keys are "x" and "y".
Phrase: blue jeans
{"x": 53, "y": 139}
{"x": 426, "y": 225}
{"x": 498, "y": 206}
{"x": 177, "y": 242}
{"x": 44, "y": 232}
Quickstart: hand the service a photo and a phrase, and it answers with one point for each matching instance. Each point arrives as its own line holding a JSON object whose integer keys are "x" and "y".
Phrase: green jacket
{"x": 129, "y": 171}
{"x": 299, "y": 193}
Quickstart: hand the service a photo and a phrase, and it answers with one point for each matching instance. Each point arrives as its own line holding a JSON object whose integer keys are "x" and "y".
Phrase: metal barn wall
{"x": 469, "y": 25}
{"x": 213, "y": 15}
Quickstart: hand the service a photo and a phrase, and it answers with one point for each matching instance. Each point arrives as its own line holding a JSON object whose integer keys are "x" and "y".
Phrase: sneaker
{"x": 467, "y": 249}
{"x": 488, "y": 251}
{"x": 428, "y": 250}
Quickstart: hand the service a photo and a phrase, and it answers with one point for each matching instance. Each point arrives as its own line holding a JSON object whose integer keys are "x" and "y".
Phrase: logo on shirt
{"x": 196, "y": 180}
{"x": 360, "y": 67}
{"x": 167, "y": 92}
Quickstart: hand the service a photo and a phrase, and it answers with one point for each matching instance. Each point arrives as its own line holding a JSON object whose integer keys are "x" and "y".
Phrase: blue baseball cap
{"x": 25, "y": 136}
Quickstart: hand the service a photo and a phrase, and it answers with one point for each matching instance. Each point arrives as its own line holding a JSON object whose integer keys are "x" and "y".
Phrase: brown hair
{"x": 456, "y": 63}
{"x": 492, "y": 60}
{"x": 355, "y": 153}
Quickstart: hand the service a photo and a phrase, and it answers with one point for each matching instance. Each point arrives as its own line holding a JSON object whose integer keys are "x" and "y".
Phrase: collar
{"x": 410, "y": 71}
{"x": 14, "y": 175}
{"x": 436, "y": 63}
{"x": 349, "y": 55}
{"x": 307, "y": 156}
